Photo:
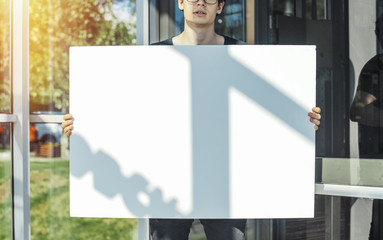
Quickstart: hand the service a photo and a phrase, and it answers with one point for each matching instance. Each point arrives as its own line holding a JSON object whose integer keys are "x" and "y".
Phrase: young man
{"x": 199, "y": 18}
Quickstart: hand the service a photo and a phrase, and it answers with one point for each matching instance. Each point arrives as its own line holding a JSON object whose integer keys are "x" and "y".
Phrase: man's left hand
{"x": 315, "y": 117}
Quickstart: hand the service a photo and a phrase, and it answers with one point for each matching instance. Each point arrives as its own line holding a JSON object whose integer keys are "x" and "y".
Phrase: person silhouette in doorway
{"x": 367, "y": 110}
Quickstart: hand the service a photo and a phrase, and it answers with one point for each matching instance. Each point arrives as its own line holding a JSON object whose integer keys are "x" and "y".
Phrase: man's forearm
{"x": 369, "y": 115}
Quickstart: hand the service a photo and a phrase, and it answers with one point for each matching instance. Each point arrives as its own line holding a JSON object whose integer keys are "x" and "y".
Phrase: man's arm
{"x": 364, "y": 111}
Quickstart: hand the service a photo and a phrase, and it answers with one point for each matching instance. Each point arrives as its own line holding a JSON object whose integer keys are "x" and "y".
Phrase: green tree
{"x": 57, "y": 25}
{"x": 4, "y": 56}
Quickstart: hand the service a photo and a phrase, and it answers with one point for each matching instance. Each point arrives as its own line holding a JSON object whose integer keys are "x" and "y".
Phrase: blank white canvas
{"x": 192, "y": 131}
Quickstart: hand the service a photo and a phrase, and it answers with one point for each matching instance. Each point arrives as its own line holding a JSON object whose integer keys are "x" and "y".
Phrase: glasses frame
{"x": 195, "y": 1}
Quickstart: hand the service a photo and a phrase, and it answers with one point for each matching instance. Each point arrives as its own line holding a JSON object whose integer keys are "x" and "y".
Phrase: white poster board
{"x": 192, "y": 131}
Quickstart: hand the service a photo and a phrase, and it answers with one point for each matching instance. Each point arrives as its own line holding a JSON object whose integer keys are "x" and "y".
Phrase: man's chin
{"x": 201, "y": 22}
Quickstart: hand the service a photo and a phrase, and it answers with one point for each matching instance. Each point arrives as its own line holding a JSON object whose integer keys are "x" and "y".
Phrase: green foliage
{"x": 5, "y": 200}
{"x": 57, "y": 25}
{"x": 4, "y": 57}
{"x": 50, "y": 209}
{"x": 54, "y": 26}
{"x": 50, "y": 218}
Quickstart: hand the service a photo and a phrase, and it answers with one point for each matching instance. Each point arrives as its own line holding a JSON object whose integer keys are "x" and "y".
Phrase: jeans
{"x": 215, "y": 229}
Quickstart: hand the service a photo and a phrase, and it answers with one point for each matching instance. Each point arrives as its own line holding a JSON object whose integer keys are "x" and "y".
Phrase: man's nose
{"x": 201, "y": 2}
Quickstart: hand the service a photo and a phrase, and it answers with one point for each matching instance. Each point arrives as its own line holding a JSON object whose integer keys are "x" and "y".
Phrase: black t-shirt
{"x": 228, "y": 41}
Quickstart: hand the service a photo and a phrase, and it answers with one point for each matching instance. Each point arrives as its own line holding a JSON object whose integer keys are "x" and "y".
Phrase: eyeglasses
{"x": 206, "y": 1}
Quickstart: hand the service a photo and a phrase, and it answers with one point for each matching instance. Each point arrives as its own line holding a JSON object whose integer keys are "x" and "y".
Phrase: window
{"x": 349, "y": 153}
{"x": 5, "y": 182}
{"x": 5, "y": 127}
{"x": 54, "y": 27}
{"x": 57, "y": 25}
{"x": 5, "y": 57}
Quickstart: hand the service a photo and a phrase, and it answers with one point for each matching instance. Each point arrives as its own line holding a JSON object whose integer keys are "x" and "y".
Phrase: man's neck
{"x": 198, "y": 35}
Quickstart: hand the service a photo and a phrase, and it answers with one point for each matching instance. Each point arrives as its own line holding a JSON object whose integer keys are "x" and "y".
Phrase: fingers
{"x": 67, "y": 124}
{"x": 315, "y": 121}
{"x": 68, "y": 130}
{"x": 314, "y": 115}
{"x": 68, "y": 116}
{"x": 316, "y": 109}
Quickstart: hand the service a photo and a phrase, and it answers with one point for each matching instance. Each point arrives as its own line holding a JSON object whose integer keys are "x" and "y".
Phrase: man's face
{"x": 200, "y": 13}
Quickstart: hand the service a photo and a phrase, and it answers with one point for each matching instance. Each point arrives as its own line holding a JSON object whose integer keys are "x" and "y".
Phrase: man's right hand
{"x": 67, "y": 124}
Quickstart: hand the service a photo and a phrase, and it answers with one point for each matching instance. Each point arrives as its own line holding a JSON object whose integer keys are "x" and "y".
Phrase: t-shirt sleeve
{"x": 168, "y": 41}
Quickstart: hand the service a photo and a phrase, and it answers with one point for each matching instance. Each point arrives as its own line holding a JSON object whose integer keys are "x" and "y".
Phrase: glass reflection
{"x": 353, "y": 218}
{"x": 5, "y": 182}
{"x": 5, "y": 80}
{"x": 312, "y": 9}
{"x": 49, "y": 184}
{"x": 331, "y": 221}
{"x": 367, "y": 109}
{"x": 56, "y": 25}
{"x": 45, "y": 140}
{"x": 311, "y": 229}
{"x": 352, "y": 171}
{"x": 231, "y": 21}
{"x": 283, "y": 7}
